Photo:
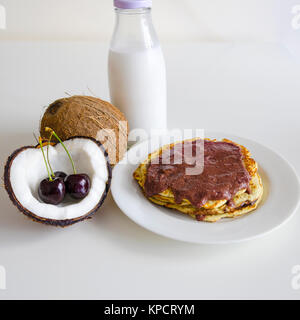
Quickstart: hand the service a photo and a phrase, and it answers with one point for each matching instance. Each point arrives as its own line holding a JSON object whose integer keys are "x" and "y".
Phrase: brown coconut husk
{"x": 91, "y": 117}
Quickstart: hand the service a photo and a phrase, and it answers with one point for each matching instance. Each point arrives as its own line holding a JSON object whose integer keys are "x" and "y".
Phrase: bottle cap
{"x": 132, "y": 4}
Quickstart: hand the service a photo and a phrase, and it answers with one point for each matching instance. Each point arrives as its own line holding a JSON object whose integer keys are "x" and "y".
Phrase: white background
{"x": 245, "y": 84}
{"x": 175, "y": 20}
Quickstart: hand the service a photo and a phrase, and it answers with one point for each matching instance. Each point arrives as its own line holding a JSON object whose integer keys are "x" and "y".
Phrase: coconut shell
{"x": 91, "y": 117}
{"x": 56, "y": 223}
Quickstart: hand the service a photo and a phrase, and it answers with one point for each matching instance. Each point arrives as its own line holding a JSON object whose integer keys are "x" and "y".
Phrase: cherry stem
{"x": 57, "y": 137}
{"x": 41, "y": 144}
{"x": 49, "y": 141}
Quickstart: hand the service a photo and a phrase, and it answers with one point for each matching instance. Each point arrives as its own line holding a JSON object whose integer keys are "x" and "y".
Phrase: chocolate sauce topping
{"x": 223, "y": 174}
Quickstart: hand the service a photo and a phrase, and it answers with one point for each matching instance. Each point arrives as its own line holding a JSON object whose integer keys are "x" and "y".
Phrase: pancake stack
{"x": 241, "y": 203}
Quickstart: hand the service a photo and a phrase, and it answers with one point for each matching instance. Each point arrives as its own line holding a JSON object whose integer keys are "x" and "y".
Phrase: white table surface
{"x": 251, "y": 90}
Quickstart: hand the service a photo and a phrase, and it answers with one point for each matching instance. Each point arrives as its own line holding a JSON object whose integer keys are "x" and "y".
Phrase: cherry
{"x": 60, "y": 174}
{"x": 52, "y": 191}
{"x": 78, "y": 185}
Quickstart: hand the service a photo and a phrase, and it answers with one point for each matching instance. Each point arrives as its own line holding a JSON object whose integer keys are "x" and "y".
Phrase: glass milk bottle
{"x": 136, "y": 67}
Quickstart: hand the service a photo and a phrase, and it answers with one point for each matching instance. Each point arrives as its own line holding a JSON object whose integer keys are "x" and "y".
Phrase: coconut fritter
{"x": 243, "y": 202}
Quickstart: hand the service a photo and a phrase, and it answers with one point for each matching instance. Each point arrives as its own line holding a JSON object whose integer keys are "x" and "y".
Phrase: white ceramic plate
{"x": 280, "y": 200}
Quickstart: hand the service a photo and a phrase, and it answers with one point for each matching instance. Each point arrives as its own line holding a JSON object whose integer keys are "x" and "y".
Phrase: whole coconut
{"x": 90, "y": 117}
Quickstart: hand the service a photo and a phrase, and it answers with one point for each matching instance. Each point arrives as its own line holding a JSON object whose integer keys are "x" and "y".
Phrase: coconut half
{"x": 25, "y": 169}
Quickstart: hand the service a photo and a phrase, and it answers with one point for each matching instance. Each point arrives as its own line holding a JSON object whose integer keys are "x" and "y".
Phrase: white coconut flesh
{"x": 28, "y": 170}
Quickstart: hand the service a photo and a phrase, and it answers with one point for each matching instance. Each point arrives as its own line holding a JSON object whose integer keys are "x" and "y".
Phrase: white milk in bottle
{"x": 136, "y": 68}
